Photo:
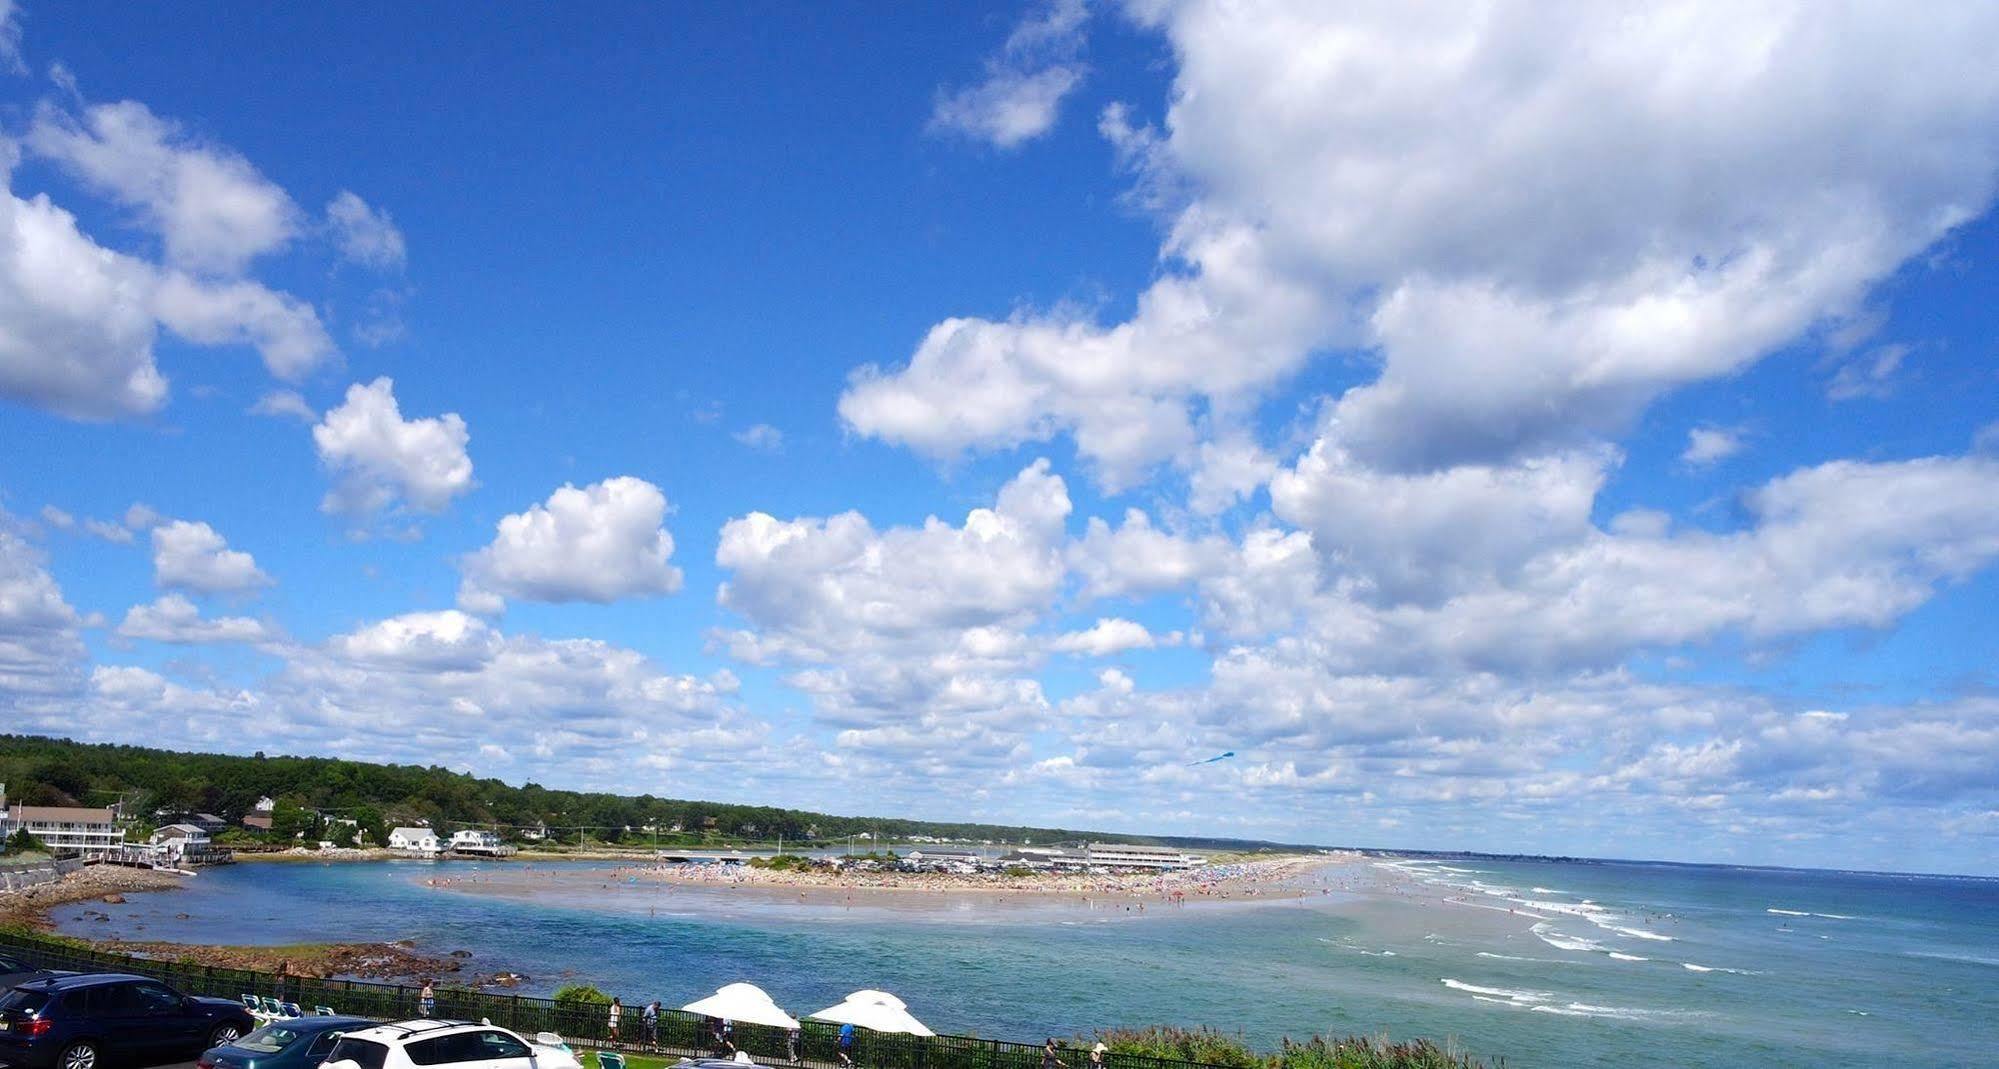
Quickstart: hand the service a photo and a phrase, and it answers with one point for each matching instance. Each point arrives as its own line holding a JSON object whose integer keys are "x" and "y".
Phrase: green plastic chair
{"x": 610, "y": 1060}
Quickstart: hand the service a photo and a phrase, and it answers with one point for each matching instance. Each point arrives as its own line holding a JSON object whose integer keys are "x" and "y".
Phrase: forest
{"x": 315, "y": 796}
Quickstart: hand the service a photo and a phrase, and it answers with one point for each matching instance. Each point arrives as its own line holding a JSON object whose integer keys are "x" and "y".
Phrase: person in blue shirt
{"x": 846, "y": 1046}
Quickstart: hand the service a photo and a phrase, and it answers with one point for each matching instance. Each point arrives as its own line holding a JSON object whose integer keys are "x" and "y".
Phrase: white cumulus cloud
{"x": 211, "y": 208}
{"x": 379, "y": 460}
{"x": 193, "y": 556}
{"x": 174, "y": 619}
{"x": 1536, "y": 221}
{"x": 600, "y": 543}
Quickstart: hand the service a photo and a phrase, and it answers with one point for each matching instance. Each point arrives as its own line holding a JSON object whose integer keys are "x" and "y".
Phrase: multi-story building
{"x": 71, "y": 828}
{"x": 1122, "y": 856}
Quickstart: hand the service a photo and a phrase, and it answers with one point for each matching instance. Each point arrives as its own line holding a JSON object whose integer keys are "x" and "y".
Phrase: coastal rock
{"x": 116, "y": 900}
{"x": 461, "y": 953}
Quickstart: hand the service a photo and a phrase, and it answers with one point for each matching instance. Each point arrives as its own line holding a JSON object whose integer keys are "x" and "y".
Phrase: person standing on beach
{"x": 845, "y": 1048}
{"x": 617, "y": 1010}
{"x": 426, "y": 1001}
{"x": 649, "y": 1022}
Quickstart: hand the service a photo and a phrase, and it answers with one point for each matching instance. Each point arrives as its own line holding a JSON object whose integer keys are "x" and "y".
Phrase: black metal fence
{"x": 677, "y": 1031}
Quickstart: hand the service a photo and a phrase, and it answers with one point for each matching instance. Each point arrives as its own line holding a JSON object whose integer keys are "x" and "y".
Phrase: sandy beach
{"x": 1273, "y": 879}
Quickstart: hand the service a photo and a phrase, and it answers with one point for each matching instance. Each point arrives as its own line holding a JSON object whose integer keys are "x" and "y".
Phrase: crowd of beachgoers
{"x": 1235, "y": 880}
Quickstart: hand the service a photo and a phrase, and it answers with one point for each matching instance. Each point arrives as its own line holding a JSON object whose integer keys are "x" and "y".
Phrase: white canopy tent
{"x": 877, "y": 1011}
{"x": 743, "y": 1002}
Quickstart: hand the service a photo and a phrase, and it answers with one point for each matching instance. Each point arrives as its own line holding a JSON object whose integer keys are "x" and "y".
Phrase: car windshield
{"x": 24, "y": 1003}
{"x": 269, "y": 1039}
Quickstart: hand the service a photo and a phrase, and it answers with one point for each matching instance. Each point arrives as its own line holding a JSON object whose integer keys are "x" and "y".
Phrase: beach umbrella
{"x": 876, "y": 1011}
{"x": 743, "y": 1002}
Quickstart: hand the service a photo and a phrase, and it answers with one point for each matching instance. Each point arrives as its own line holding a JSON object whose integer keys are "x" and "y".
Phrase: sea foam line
{"x": 1499, "y": 992}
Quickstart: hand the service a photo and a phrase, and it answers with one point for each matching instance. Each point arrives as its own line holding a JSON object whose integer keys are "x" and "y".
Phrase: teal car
{"x": 288, "y": 1043}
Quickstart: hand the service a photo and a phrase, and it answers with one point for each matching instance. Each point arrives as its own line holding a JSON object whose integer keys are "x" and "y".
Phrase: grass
{"x": 1210, "y": 1047}
{"x": 632, "y": 1061}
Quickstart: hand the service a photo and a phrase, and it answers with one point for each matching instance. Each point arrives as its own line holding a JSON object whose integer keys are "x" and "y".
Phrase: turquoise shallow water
{"x": 1591, "y": 966}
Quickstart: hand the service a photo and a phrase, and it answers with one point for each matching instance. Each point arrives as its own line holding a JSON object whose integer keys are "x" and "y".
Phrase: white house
{"x": 176, "y": 842}
{"x": 415, "y": 840}
{"x": 479, "y": 842}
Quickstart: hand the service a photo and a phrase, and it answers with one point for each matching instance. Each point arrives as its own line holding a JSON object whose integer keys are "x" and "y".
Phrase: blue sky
{"x": 1534, "y": 431}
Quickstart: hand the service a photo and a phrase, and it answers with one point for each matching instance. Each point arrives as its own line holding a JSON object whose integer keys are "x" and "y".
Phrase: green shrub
{"x": 1207, "y": 1046}
{"x": 782, "y": 863}
{"x": 582, "y": 993}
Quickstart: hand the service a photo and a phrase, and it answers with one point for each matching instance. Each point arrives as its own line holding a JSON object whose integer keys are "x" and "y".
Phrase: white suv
{"x": 423, "y": 1043}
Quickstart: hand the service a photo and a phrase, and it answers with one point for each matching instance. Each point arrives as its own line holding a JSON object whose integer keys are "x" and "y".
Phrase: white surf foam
{"x": 1516, "y": 957}
{"x": 1639, "y": 933}
{"x": 1969, "y": 959}
{"x": 1547, "y": 934}
{"x": 1499, "y": 992}
{"x": 1627, "y": 957}
{"x": 1584, "y": 1009}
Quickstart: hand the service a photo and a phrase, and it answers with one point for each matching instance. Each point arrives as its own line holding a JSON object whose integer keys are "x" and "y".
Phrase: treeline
{"x": 313, "y": 793}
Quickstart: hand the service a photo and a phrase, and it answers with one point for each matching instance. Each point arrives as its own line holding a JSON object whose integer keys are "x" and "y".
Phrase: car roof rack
{"x": 421, "y": 1025}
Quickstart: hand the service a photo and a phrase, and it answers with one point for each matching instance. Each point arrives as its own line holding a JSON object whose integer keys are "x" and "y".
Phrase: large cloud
{"x": 600, "y": 543}
{"x": 379, "y": 460}
{"x": 1538, "y": 216}
{"x": 910, "y": 637}
{"x": 1842, "y": 544}
{"x": 213, "y": 211}
{"x": 447, "y": 687}
{"x": 78, "y": 321}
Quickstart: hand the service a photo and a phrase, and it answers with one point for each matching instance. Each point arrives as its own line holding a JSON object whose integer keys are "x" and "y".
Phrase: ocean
{"x": 1538, "y": 963}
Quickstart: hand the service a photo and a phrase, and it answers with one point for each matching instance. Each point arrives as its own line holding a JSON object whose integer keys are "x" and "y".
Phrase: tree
{"x": 371, "y": 823}
{"x": 22, "y": 843}
{"x": 293, "y": 821}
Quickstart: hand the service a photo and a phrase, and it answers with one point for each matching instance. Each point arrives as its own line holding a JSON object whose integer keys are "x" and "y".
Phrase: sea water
{"x": 1541, "y": 963}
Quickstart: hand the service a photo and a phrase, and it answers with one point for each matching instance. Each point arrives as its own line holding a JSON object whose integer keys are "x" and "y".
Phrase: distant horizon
{"x": 1178, "y": 839}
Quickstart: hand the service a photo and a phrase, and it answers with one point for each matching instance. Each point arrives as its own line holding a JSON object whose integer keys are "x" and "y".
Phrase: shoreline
{"x": 95, "y": 886}
{"x": 1271, "y": 880}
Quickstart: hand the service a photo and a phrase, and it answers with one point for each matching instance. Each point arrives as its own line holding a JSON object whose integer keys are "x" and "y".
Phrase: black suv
{"x": 74, "y": 1022}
